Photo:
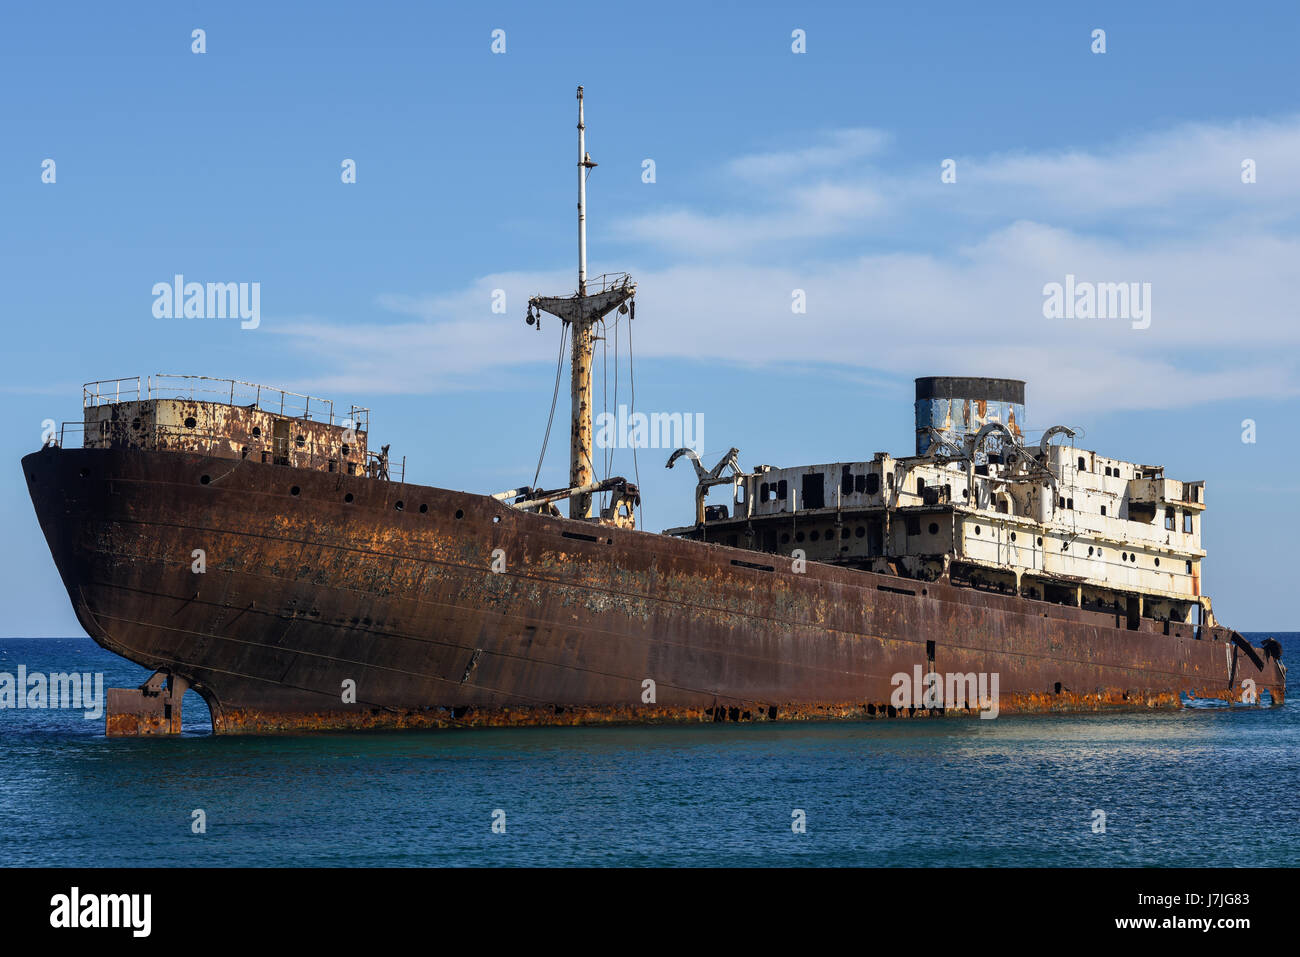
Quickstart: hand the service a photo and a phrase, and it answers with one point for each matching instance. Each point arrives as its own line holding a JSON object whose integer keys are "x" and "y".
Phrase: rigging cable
{"x": 632, "y": 381}
{"x": 555, "y": 395}
{"x": 614, "y": 445}
{"x": 604, "y": 397}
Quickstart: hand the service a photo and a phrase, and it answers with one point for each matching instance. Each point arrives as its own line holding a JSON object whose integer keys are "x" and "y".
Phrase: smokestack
{"x": 959, "y": 406}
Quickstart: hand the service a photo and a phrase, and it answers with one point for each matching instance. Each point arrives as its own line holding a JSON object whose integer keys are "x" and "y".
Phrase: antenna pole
{"x": 582, "y": 200}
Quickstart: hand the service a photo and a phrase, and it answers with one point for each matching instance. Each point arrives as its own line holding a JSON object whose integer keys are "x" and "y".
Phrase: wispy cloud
{"x": 1184, "y": 179}
{"x": 837, "y": 149}
{"x": 787, "y": 196}
{"x": 1176, "y": 170}
{"x": 813, "y": 212}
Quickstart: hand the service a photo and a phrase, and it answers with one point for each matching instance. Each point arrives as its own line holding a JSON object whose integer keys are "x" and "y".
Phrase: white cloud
{"x": 813, "y": 212}
{"x": 802, "y": 194}
{"x": 1189, "y": 165}
{"x": 836, "y": 149}
{"x": 1185, "y": 179}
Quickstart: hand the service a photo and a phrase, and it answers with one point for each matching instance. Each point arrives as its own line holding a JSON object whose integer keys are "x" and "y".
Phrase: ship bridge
{"x": 976, "y": 506}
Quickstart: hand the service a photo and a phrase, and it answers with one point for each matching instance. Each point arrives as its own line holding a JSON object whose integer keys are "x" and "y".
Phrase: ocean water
{"x": 1203, "y": 786}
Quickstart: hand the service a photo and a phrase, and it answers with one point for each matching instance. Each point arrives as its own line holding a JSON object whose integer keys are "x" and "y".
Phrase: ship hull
{"x": 293, "y": 599}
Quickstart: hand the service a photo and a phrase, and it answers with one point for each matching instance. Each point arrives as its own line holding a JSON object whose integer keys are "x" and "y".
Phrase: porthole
{"x": 859, "y": 532}
{"x": 1090, "y": 551}
{"x": 460, "y": 513}
{"x": 423, "y": 509}
{"x": 295, "y": 490}
{"x": 934, "y": 528}
{"x": 347, "y": 450}
{"x": 399, "y": 505}
{"x": 300, "y": 440}
{"x": 348, "y": 497}
{"x": 1123, "y": 556}
{"x": 205, "y": 479}
{"x": 189, "y": 422}
{"x": 814, "y": 535}
{"x": 1040, "y": 540}
{"x": 798, "y": 536}
{"x": 1013, "y": 536}
{"x": 1133, "y": 558}
{"x": 1157, "y": 563}
{"x": 496, "y": 519}
{"x": 977, "y": 529}
{"x": 257, "y": 432}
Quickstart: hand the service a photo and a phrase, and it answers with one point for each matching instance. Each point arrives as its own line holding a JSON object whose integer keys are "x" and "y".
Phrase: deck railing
{"x": 233, "y": 392}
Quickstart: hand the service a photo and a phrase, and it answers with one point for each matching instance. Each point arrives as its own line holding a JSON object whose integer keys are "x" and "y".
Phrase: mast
{"x": 582, "y": 312}
{"x": 580, "y": 387}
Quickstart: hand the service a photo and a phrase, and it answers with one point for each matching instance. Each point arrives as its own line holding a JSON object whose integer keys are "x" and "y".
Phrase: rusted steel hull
{"x": 316, "y": 581}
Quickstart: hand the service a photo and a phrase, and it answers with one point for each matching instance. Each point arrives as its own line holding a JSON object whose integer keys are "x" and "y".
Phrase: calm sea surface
{"x": 1204, "y": 786}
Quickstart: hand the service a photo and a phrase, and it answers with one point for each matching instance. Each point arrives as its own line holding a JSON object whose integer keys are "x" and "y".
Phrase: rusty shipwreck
{"x": 246, "y": 543}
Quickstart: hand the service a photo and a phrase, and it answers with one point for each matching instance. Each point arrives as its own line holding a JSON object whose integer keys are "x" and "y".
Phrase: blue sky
{"x": 774, "y": 171}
